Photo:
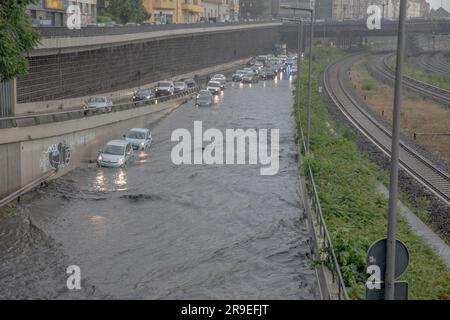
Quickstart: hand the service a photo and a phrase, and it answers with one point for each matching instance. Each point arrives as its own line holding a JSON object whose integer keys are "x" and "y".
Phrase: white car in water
{"x": 214, "y": 87}
{"x": 99, "y": 103}
{"x": 140, "y": 139}
{"x": 220, "y": 78}
{"x": 116, "y": 154}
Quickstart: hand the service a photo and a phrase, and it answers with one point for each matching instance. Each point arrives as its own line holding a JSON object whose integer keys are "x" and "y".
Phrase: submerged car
{"x": 250, "y": 77}
{"x": 204, "y": 99}
{"x": 190, "y": 83}
{"x": 220, "y": 78}
{"x": 143, "y": 94}
{"x": 238, "y": 75}
{"x": 116, "y": 154}
{"x": 164, "y": 88}
{"x": 99, "y": 103}
{"x": 140, "y": 139}
{"x": 179, "y": 86}
{"x": 268, "y": 74}
{"x": 214, "y": 87}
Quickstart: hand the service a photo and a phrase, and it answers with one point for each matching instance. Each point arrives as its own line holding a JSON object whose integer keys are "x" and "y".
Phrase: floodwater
{"x": 155, "y": 230}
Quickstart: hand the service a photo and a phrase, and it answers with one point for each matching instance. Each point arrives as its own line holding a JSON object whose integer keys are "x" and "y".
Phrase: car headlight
{"x": 121, "y": 161}
{"x": 142, "y": 144}
{"x": 100, "y": 158}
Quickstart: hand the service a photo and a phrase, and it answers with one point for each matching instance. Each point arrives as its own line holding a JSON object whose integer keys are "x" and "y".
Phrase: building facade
{"x": 173, "y": 11}
{"x": 52, "y": 13}
{"x": 220, "y": 10}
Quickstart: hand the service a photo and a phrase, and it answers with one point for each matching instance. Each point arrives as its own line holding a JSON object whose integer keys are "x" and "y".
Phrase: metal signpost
{"x": 392, "y": 218}
{"x": 376, "y": 263}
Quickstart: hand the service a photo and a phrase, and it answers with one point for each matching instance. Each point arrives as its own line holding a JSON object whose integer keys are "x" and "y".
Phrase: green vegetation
{"x": 6, "y": 211}
{"x": 369, "y": 84}
{"x": 16, "y": 37}
{"x": 434, "y": 79}
{"x": 123, "y": 11}
{"x": 354, "y": 211}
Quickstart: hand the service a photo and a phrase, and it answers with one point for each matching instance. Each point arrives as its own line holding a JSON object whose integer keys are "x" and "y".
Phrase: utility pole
{"x": 393, "y": 186}
{"x": 311, "y": 42}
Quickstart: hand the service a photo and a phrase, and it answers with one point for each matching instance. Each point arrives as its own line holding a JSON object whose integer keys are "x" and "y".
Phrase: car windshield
{"x": 240, "y": 72}
{"x": 204, "y": 98}
{"x": 219, "y": 76}
{"x": 214, "y": 84}
{"x": 179, "y": 84}
{"x": 249, "y": 74}
{"x": 114, "y": 150}
{"x": 164, "y": 84}
{"x": 97, "y": 99}
{"x": 136, "y": 135}
{"x": 143, "y": 92}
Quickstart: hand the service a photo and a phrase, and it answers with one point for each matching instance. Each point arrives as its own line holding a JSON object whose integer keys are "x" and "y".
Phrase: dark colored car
{"x": 143, "y": 94}
{"x": 238, "y": 75}
{"x": 190, "y": 83}
{"x": 268, "y": 74}
{"x": 251, "y": 62}
{"x": 204, "y": 99}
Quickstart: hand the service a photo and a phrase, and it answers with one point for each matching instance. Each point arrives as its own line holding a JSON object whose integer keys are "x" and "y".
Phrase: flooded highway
{"x": 155, "y": 230}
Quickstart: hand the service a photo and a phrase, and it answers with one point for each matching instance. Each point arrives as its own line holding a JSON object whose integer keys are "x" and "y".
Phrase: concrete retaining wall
{"x": 10, "y": 177}
{"x": 28, "y": 153}
{"x": 111, "y": 68}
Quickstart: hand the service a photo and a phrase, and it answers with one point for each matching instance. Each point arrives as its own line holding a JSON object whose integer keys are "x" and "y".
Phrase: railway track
{"x": 435, "y": 62}
{"x": 336, "y": 84}
{"x": 381, "y": 70}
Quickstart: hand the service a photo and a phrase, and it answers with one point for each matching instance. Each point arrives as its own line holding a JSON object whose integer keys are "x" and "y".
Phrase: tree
{"x": 16, "y": 37}
{"x": 124, "y": 10}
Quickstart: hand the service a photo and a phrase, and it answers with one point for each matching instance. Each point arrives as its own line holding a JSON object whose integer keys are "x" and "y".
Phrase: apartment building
{"x": 52, "y": 13}
{"x": 220, "y": 10}
{"x": 174, "y": 11}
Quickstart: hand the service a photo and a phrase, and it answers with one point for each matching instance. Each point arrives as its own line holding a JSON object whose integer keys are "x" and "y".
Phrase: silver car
{"x": 116, "y": 154}
{"x": 214, "y": 87}
{"x": 220, "y": 78}
{"x": 179, "y": 86}
{"x": 99, "y": 103}
{"x": 140, "y": 139}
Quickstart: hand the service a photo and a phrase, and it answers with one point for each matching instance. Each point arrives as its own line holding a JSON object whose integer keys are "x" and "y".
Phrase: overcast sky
{"x": 437, "y": 3}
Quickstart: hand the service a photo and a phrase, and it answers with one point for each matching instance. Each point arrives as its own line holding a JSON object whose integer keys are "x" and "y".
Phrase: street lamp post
{"x": 393, "y": 185}
{"x": 311, "y": 40}
{"x": 299, "y": 49}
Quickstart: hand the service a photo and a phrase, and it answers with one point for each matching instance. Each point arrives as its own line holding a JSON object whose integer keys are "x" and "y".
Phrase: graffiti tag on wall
{"x": 57, "y": 156}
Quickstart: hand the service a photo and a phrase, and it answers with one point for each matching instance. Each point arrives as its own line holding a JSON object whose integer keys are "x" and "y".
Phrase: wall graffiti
{"x": 58, "y": 155}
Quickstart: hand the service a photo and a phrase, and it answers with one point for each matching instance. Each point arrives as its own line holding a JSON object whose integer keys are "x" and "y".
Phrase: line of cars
{"x": 162, "y": 88}
{"x": 214, "y": 86}
{"x": 119, "y": 153}
{"x": 263, "y": 67}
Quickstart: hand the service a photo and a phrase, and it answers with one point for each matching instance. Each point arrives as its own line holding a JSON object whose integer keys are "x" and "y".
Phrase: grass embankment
{"x": 354, "y": 211}
{"x": 438, "y": 80}
{"x": 418, "y": 114}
